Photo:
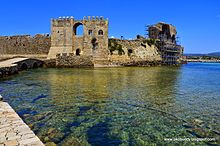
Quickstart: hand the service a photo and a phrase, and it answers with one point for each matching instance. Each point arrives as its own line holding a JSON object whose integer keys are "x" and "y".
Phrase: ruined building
{"x": 65, "y": 47}
{"x": 165, "y": 36}
{"x": 65, "y": 40}
{"x": 92, "y": 48}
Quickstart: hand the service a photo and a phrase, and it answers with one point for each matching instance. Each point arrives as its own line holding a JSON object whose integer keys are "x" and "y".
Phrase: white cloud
{"x": 218, "y": 16}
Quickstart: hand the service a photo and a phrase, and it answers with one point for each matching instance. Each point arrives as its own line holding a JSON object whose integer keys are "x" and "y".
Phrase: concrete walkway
{"x": 13, "y": 131}
{"x": 11, "y": 62}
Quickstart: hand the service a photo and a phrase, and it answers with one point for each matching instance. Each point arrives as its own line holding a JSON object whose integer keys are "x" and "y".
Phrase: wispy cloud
{"x": 218, "y": 16}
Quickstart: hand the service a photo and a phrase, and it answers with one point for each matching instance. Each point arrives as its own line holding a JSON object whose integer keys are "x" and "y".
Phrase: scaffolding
{"x": 170, "y": 48}
{"x": 147, "y": 31}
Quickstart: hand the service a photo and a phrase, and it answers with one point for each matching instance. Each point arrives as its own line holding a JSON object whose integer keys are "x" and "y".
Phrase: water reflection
{"x": 155, "y": 85}
{"x": 106, "y": 106}
{"x": 88, "y": 97}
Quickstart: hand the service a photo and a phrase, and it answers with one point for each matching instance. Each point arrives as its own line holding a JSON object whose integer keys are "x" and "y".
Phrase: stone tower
{"x": 163, "y": 31}
{"x": 165, "y": 35}
{"x": 93, "y": 42}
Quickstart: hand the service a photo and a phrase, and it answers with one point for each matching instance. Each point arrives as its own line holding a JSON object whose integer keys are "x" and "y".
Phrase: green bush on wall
{"x": 149, "y": 41}
{"x": 113, "y": 45}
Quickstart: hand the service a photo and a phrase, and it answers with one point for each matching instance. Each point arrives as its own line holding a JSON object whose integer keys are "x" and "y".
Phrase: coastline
{"x": 202, "y": 60}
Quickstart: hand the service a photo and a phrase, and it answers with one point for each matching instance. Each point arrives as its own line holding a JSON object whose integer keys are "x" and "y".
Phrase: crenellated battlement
{"x": 62, "y": 21}
{"x": 94, "y": 18}
{"x": 85, "y": 18}
{"x": 69, "y": 20}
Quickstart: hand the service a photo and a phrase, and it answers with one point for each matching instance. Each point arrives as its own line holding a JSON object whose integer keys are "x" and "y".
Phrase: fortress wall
{"x": 24, "y": 45}
{"x": 140, "y": 50}
{"x": 70, "y": 60}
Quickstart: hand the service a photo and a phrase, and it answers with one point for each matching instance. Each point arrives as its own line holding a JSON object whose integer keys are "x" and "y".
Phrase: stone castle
{"x": 93, "y": 47}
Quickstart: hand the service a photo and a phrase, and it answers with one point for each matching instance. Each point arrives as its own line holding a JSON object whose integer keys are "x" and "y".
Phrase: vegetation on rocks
{"x": 150, "y": 41}
{"x": 113, "y": 46}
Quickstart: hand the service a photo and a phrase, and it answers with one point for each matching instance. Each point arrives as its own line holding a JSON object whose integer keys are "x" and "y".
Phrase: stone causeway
{"x": 13, "y": 130}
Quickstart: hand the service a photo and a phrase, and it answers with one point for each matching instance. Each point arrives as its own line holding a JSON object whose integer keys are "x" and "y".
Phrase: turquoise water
{"x": 119, "y": 106}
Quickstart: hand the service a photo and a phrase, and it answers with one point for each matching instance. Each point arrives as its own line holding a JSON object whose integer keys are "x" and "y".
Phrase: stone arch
{"x": 35, "y": 65}
{"x": 100, "y": 32}
{"x": 78, "y": 51}
{"x": 78, "y": 29}
{"x": 24, "y": 66}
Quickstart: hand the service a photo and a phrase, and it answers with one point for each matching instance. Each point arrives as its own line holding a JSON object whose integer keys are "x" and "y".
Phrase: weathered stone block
{"x": 11, "y": 143}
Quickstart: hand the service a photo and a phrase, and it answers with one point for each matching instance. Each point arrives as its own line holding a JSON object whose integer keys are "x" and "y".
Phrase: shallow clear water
{"x": 119, "y": 106}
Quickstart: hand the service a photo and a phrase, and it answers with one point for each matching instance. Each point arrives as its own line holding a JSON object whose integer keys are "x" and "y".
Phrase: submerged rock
{"x": 187, "y": 125}
{"x": 42, "y": 116}
{"x": 46, "y": 139}
{"x": 54, "y": 135}
{"x": 51, "y": 130}
{"x": 39, "y": 97}
{"x": 50, "y": 144}
{"x": 71, "y": 142}
{"x": 197, "y": 121}
{"x": 31, "y": 126}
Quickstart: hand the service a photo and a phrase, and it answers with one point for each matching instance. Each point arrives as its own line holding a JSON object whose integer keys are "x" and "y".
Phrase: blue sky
{"x": 197, "y": 21}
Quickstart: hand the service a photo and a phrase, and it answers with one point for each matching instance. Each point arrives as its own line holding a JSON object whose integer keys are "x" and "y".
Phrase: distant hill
{"x": 192, "y": 54}
{"x": 213, "y": 54}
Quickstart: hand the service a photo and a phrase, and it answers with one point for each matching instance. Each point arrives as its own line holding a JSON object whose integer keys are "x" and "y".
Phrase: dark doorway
{"x": 77, "y": 52}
